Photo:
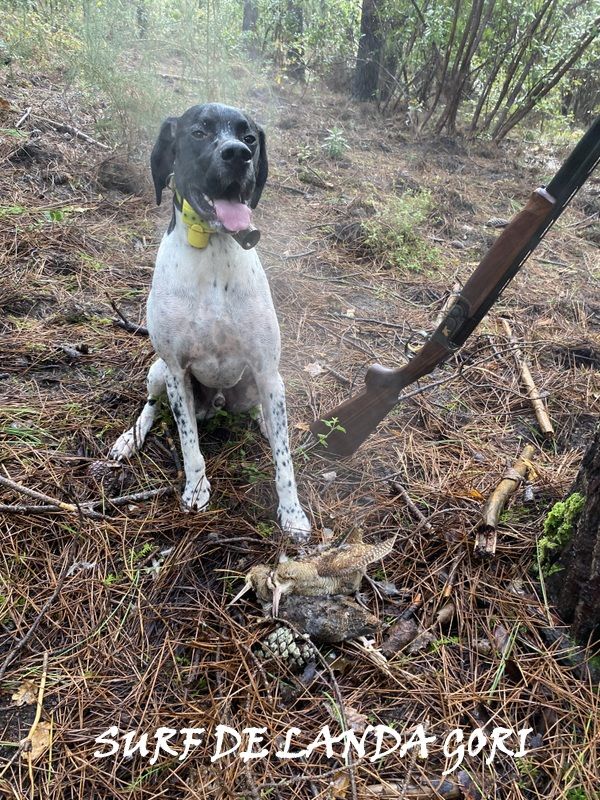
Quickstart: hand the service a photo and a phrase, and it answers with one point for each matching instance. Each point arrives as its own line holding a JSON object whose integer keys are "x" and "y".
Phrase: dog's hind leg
{"x": 132, "y": 440}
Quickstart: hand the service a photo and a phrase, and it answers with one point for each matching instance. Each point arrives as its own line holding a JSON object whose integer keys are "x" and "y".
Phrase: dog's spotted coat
{"x": 210, "y": 314}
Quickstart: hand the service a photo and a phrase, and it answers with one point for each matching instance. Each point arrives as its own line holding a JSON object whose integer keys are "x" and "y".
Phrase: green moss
{"x": 559, "y": 527}
{"x": 576, "y": 794}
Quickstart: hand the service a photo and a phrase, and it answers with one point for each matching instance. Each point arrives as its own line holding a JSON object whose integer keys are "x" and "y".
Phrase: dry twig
{"x": 527, "y": 379}
{"x": 485, "y": 543}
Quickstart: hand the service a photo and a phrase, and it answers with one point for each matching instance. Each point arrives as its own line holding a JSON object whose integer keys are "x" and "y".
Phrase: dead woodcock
{"x": 337, "y": 570}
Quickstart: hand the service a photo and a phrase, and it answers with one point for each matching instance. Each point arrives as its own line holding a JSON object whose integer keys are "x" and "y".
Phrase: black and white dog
{"x": 210, "y": 314}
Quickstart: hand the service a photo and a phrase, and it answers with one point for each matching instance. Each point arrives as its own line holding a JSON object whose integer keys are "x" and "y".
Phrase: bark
{"x": 295, "y": 29}
{"x": 576, "y": 588}
{"x": 444, "y": 68}
{"x": 366, "y": 73}
{"x": 250, "y": 15}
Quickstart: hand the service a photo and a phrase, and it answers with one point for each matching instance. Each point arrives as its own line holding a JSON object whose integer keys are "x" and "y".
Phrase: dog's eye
{"x": 250, "y": 139}
{"x": 198, "y": 133}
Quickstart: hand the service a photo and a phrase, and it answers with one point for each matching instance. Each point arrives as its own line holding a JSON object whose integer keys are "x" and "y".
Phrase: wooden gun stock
{"x": 358, "y": 417}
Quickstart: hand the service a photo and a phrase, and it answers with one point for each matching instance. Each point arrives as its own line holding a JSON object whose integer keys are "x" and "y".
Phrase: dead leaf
{"x": 445, "y": 614}
{"x": 4, "y": 104}
{"x": 302, "y": 426}
{"x": 356, "y": 721}
{"x": 399, "y": 635}
{"x": 350, "y": 312}
{"x": 314, "y": 369}
{"x": 339, "y": 786}
{"x": 423, "y": 640}
{"x": 475, "y": 494}
{"x": 501, "y": 638}
{"x": 26, "y": 694}
{"x": 39, "y": 742}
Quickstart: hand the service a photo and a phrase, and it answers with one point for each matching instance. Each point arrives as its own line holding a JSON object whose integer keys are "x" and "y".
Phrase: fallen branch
{"x": 291, "y": 189}
{"x": 396, "y": 791}
{"x": 62, "y": 127}
{"x": 485, "y": 543}
{"x": 415, "y": 510}
{"x": 23, "y": 118}
{"x": 341, "y": 378}
{"x": 23, "y": 508}
{"x": 130, "y": 498}
{"x": 186, "y": 78}
{"x": 529, "y": 384}
{"x": 82, "y": 509}
{"x": 451, "y": 579}
{"x": 17, "y": 487}
{"x": 13, "y": 653}
{"x": 124, "y": 323}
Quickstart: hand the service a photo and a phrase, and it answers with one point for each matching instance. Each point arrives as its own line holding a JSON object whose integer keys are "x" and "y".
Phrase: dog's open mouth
{"x": 230, "y": 210}
{"x": 233, "y": 214}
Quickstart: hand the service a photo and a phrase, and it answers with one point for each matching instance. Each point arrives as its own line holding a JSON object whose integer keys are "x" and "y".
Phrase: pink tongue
{"x": 234, "y": 216}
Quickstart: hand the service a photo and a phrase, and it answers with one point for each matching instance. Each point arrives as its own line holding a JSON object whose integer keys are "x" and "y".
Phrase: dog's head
{"x": 219, "y": 160}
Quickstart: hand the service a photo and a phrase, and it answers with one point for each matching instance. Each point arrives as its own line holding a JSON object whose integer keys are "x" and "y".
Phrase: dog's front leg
{"x": 181, "y": 398}
{"x": 291, "y": 516}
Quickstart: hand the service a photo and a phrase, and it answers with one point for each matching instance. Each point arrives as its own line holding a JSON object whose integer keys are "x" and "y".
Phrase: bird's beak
{"x": 276, "y": 599}
{"x": 245, "y": 588}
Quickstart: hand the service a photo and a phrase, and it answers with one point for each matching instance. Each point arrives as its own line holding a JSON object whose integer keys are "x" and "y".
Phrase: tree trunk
{"x": 296, "y": 68}
{"x": 576, "y": 588}
{"x": 250, "y": 15}
{"x": 366, "y": 73}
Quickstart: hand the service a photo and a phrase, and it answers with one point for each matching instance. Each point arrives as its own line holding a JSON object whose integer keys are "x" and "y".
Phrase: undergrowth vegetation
{"x": 395, "y": 231}
{"x": 479, "y": 68}
{"x": 133, "y": 67}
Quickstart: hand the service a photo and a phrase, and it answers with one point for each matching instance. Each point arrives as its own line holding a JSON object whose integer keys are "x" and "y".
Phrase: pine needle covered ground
{"x": 364, "y": 233}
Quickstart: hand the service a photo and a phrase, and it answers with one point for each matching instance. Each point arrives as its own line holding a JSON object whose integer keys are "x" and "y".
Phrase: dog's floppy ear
{"x": 262, "y": 169}
{"x": 163, "y": 156}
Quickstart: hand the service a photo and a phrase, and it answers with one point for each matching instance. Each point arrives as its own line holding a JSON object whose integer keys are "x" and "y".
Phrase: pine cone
{"x": 296, "y": 651}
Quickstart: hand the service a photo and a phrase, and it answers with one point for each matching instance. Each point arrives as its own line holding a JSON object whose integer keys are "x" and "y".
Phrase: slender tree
{"x": 370, "y": 47}
{"x": 250, "y": 15}
{"x": 295, "y": 29}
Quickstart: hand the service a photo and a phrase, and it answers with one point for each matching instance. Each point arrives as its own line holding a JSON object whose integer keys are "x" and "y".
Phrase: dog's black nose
{"x": 236, "y": 152}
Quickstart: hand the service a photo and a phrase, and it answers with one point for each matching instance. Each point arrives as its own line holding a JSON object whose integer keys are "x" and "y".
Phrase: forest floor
{"x": 138, "y": 634}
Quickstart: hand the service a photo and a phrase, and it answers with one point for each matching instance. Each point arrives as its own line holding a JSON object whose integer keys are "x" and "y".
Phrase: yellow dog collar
{"x": 198, "y": 231}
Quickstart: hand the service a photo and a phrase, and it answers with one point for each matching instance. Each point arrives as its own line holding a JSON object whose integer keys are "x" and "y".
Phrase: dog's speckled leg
{"x": 132, "y": 440}
{"x": 196, "y": 492}
{"x": 291, "y": 516}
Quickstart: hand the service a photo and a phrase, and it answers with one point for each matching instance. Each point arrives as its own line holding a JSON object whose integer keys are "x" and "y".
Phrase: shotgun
{"x": 341, "y": 431}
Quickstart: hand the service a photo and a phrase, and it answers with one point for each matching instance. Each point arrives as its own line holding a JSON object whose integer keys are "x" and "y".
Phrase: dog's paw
{"x": 196, "y": 495}
{"x": 125, "y": 446}
{"x": 295, "y": 524}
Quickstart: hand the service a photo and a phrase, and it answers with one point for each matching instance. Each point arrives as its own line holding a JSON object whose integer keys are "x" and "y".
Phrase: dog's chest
{"x": 211, "y": 309}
